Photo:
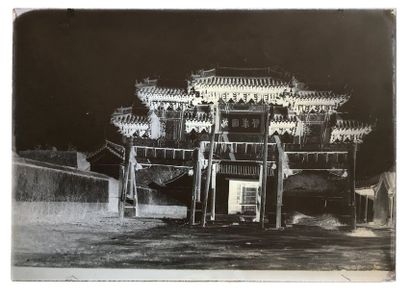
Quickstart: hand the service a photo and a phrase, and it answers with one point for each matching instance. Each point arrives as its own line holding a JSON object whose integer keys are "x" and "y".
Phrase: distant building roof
{"x": 371, "y": 186}
{"x": 116, "y": 149}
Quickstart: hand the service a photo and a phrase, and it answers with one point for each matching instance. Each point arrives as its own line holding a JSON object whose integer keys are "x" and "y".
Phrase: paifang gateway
{"x": 240, "y": 134}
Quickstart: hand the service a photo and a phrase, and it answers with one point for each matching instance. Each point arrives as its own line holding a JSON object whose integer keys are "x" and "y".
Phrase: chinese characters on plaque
{"x": 241, "y": 123}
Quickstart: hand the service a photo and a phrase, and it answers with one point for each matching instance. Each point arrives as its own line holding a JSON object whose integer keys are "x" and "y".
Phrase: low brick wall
{"x": 39, "y": 181}
{"x": 162, "y": 211}
{"x": 25, "y": 212}
{"x": 49, "y": 190}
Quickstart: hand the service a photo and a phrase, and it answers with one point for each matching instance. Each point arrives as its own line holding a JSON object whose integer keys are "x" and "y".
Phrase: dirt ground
{"x": 160, "y": 244}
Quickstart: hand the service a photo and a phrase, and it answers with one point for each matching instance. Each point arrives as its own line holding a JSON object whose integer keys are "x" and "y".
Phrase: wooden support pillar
{"x": 391, "y": 210}
{"x": 120, "y": 192}
{"x": 213, "y": 192}
{"x": 259, "y": 194}
{"x": 134, "y": 184}
{"x": 352, "y": 183}
{"x": 181, "y": 125}
{"x": 279, "y": 180}
{"x": 366, "y": 207}
{"x": 208, "y": 177}
{"x": 264, "y": 170}
{"x": 198, "y": 184}
{"x": 131, "y": 187}
{"x": 125, "y": 178}
{"x": 196, "y": 170}
{"x": 359, "y": 209}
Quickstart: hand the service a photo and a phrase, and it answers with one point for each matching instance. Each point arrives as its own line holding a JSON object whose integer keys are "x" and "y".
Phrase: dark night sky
{"x": 72, "y": 68}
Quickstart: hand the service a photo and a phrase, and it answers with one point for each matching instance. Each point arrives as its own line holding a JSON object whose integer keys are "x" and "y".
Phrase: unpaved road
{"x": 155, "y": 244}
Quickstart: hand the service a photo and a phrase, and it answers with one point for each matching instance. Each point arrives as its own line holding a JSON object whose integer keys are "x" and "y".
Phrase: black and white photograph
{"x": 213, "y": 145}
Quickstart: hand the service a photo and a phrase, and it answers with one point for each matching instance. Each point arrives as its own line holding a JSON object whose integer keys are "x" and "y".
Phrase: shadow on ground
{"x": 157, "y": 244}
